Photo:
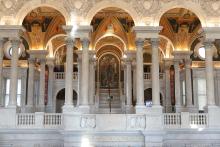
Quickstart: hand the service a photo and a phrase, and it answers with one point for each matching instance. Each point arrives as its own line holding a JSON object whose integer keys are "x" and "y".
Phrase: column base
{"x": 29, "y": 109}
{"x": 129, "y": 109}
{"x": 40, "y": 108}
{"x": 11, "y": 107}
{"x": 178, "y": 108}
{"x": 68, "y": 108}
{"x": 140, "y": 109}
{"x": 84, "y": 109}
{"x": 49, "y": 109}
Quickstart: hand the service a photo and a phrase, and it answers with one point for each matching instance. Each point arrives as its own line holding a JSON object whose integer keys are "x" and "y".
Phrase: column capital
{"x": 15, "y": 42}
{"x": 69, "y": 41}
{"x": 208, "y": 43}
{"x": 139, "y": 42}
{"x": 31, "y": 60}
{"x": 50, "y": 61}
{"x": 154, "y": 41}
{"x": 85, "y": 43}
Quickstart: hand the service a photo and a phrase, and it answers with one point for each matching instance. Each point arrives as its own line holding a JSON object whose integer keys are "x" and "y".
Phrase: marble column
{"x": 79, "y": 60}
{"x": 188, "y": 83}
{"x": 41, "y": 105}
{"x": 84, "y": 105}
{"x": 167, "y": 64}
{"x": 68, "y": 106}
{"x": 177, "y": 85}
{"x": 155, "y": 73}
{"x": 210, "y": 89}
{"x": 50, "y": 64}
{"x": 139, "y": 76}
{"x": 14, "y": 73}
{"x": 1, "y": 72}
{"x": 92, "y": 81}
{"x": 30, "y": 98}
{"x": 128, "y": 85}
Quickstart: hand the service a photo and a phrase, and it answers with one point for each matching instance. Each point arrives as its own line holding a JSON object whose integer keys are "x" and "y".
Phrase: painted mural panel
{"x": 109, "y": 71}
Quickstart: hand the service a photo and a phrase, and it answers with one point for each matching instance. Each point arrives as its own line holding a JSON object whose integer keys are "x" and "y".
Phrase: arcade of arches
{"x": 70, "y": 64}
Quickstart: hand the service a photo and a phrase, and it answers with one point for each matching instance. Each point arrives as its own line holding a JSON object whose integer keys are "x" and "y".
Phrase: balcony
{"x": 120, "y": 122}
{"x": 147, "y": 76}
{"x": 61, "y": 75}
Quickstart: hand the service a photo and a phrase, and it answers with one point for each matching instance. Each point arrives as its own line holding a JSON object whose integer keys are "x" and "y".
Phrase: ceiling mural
{"x": 41, "y": 24}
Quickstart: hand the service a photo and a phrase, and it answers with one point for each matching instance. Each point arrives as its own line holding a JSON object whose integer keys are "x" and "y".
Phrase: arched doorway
{"x": 109, "y": 68}
{"x": 148, "y": 97}
{"x": 60, "y": 99}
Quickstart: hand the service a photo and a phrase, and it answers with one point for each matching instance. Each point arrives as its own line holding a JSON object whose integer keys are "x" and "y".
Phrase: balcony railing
{"x": 147, "y": 75}
{"x": 39, "y": 120}
{"x": 61, "y": 75}
{"x": 25, "y": 120}
{"x": 172, "y": 120}
{"x": 130, "y": 121}
{"x": 185, "y": 120}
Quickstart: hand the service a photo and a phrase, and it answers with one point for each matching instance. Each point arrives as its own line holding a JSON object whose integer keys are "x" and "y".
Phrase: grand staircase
{"x": 104, "y": 102}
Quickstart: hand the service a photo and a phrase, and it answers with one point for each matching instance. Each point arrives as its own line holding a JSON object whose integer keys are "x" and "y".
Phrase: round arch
{"x": 111, "y": 44}
{"x": 148, "y": 97}
{"x": 195, "y": 8}
{"x": 33, "y": 4}
{"x": 118, "y": 4}
{"x": 111, "y": 35}
{"x": 60, "y": 99}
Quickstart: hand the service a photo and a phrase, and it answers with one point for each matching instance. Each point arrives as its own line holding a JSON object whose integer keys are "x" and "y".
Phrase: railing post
{"x": 185, "y": 120}
{"x": 39, "y": 119}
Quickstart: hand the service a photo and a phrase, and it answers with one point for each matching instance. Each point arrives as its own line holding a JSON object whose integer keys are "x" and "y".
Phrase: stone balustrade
{"x": 61, "y": 75}
{"x": 118, "y": 121}
{"x": 147, "y": 76}
{"x": 38, "y": 120}
{"x": 185, "y": 120}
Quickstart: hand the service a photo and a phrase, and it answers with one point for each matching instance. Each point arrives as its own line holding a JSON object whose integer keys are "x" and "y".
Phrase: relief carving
{"x": 136, "y": 122}
{"x": 88, "y": 121}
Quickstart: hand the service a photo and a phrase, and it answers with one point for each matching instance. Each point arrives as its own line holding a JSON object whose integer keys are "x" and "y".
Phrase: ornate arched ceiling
{"x": 112, "y": 22}
{"x": 180, "y": 26}
{"x": 41, "y": 24}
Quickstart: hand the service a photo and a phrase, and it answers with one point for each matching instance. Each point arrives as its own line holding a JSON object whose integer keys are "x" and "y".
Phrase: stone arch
{"x": 195, "y": 8}
{"x": 112, "y": 35}
{"x": 50, "y": 50}
{"x": 118, "y": 4}
{"x": 171, "y": 44}
{"x": 149, "y": 89}
{"x": 33, "y": 4}
{"x": 60, "y": 99}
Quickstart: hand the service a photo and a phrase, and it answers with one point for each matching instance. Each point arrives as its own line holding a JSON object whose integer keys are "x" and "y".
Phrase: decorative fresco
{"x": 109, "y": 71}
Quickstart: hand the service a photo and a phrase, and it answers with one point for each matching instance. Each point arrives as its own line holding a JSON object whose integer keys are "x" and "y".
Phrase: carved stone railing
{"x": 43, "y": 120}
{"x": 172, "y": 120}
{"x": 185, "y": 120}
{"x": 147, "y": 76}
{"x": 198, "y": 119}
{"x": 52, "y": 120}
{"x": 61, "y": 75}
{"x": 25, "y": 120}
{"x": 39, "y": 120}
